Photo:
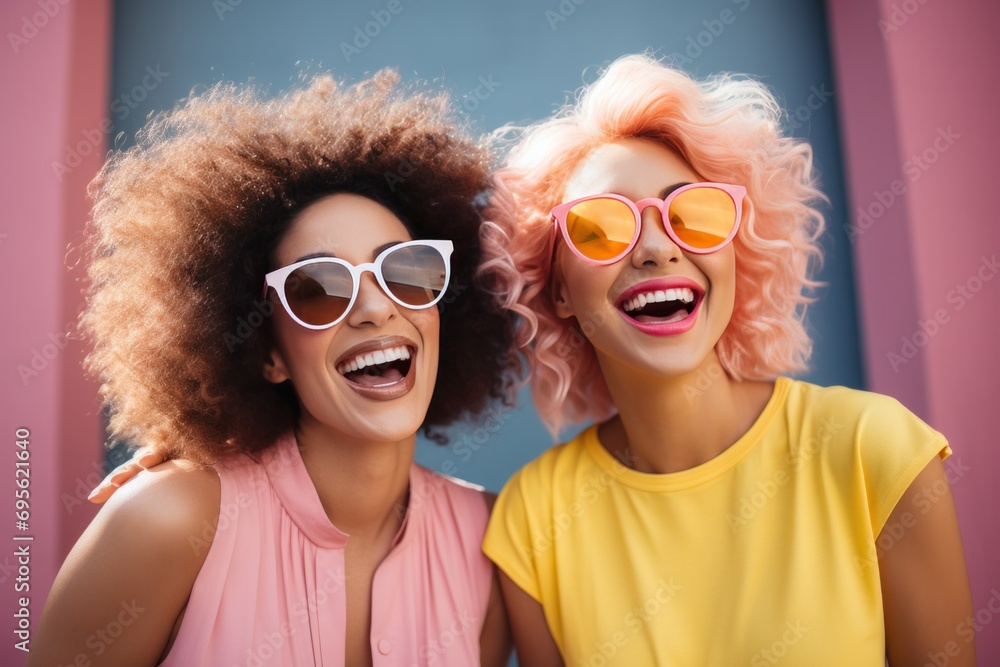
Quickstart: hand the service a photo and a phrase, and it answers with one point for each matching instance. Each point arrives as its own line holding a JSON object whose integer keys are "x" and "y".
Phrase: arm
{"x": 925, "y": 586}
{"x": 494, "y": 642}
{"x": 124, "y": 584}
{"x": 534, "y": 642}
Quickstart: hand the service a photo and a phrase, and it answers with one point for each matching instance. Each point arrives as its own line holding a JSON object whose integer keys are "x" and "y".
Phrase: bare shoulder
{"x": 155, "y": 515}
{"x": 152, "y": 519}
{"x": 134, "y": 560}
{"x": 174, "y": 495}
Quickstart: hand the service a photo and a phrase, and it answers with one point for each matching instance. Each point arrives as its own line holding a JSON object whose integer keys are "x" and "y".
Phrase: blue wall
{"x": 533, "y": 54}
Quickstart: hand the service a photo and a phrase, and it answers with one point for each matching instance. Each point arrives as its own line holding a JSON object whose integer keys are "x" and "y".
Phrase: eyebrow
{"x": 312, "y": 256}
{"x": 670, "y": 188}
{"x": 378, "y": 251}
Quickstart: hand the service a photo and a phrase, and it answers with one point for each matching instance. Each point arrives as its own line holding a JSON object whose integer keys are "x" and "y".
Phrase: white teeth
{"x": 682, "y": 294}
{"x": 372, "y": 358}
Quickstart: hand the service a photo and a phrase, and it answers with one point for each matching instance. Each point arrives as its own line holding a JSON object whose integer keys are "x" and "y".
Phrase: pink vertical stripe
{"x": 917, "y": 94}
{"x": 55, "y": 70}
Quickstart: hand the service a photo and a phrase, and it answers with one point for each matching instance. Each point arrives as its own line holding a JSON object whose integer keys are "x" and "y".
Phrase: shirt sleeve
{"x": 508, "y": 540}
{"x": 895, "y": 446}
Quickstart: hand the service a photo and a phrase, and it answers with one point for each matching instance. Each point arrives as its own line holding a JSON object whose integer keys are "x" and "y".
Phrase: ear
{"x": 559, "y": 294}
{"x": 275, "y": 369}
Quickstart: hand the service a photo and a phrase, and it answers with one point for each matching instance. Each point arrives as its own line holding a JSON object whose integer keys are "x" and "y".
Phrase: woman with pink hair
{"x": 656, "y": 239}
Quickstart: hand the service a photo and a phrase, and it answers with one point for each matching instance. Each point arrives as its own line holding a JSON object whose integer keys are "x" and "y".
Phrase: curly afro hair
{"x": 184, "y": 228}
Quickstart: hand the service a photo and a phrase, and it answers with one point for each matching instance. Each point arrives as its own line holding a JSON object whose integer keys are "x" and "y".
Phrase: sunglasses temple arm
{"x": 550, "y": 250}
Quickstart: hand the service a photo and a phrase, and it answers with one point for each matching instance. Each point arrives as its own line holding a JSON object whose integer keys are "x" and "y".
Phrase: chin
{"x": 396, "y": 420}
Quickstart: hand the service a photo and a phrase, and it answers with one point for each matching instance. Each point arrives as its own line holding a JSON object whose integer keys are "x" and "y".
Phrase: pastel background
{"x": 897, "y": 98}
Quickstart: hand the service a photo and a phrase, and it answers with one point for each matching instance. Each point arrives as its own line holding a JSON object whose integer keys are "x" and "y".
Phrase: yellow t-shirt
{"x": 766, "y": 553}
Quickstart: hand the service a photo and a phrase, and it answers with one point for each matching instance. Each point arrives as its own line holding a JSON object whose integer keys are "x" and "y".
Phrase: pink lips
{"x": 662, "y": 328}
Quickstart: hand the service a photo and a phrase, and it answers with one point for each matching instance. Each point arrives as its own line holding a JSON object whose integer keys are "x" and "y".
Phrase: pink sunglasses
{"x": 700, "y": 218}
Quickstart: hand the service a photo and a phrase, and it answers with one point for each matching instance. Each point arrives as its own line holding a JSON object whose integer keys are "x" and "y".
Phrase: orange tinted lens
{"x": 601, "y": 229}
{"x": 702, "y": 217}
{"x": 415, "y": 274}
{"x": 319, "y": 293}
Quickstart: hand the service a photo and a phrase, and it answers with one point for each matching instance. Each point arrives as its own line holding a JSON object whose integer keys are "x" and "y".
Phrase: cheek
{"x": 282, "y": 334}
{"x": 426, "y": 324}
{"x": 721, "y": 272}
{"x": 582, "y": 284}
{"x": 720, "y": 269}
{"x": 430, "y": 330}
{"x": 301, "y": 349}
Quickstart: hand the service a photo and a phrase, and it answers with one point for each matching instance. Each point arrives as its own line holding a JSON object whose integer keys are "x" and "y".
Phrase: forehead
{"x": 346, "y": 225}
{"x": 635, "y": 168}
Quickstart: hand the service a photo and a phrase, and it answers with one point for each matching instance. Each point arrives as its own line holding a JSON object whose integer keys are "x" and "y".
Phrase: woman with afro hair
{"x": 282, "y": 293}
{"x": 656, "y": 238}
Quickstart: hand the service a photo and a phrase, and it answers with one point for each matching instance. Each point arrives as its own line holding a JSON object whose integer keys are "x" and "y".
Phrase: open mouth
{"x": 378, "y": 368}
{"x": 661, "y": 306}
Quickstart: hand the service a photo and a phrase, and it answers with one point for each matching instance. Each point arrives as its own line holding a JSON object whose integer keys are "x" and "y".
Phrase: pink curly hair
{"x": 728, "y": 129}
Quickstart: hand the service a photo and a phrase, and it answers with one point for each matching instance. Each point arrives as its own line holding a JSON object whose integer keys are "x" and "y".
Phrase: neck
{"x": 363, "y": 485}
{"x": 673, "y": 423}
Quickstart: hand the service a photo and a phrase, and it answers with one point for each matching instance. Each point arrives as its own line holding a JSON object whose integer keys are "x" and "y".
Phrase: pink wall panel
{"x": 54, "y": 67}
{"x": 918, "y": 106}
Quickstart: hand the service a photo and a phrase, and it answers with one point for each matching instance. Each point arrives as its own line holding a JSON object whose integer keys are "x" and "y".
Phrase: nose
{"x": 373, "y": 306}
{"x": 654, "y": 247}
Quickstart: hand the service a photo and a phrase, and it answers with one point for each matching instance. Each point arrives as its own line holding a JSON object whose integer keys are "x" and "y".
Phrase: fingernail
{"x": 146, "y": 459}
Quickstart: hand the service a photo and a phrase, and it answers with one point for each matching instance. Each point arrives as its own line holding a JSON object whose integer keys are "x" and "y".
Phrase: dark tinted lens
{"x": 703, "y": 217}
{"x": 319, "y": 293}
{"x": 416, "y": 274}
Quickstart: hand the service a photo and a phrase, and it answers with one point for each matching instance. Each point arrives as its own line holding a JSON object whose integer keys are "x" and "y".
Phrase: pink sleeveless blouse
{"x": 271, "y": 591}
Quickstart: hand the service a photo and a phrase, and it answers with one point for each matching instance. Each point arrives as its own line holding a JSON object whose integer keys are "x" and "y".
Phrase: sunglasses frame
{"x": 276, "y": 279}
{"x": 735, "y": 192}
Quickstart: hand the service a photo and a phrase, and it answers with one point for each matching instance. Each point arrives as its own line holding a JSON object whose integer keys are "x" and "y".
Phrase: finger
{"x": 148, "y": 458}
{"x": 112, "y": 481}
{"x": 142, "y": 459}
{"x": 100, "y": 494}
{"x": 124, "y": 473}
